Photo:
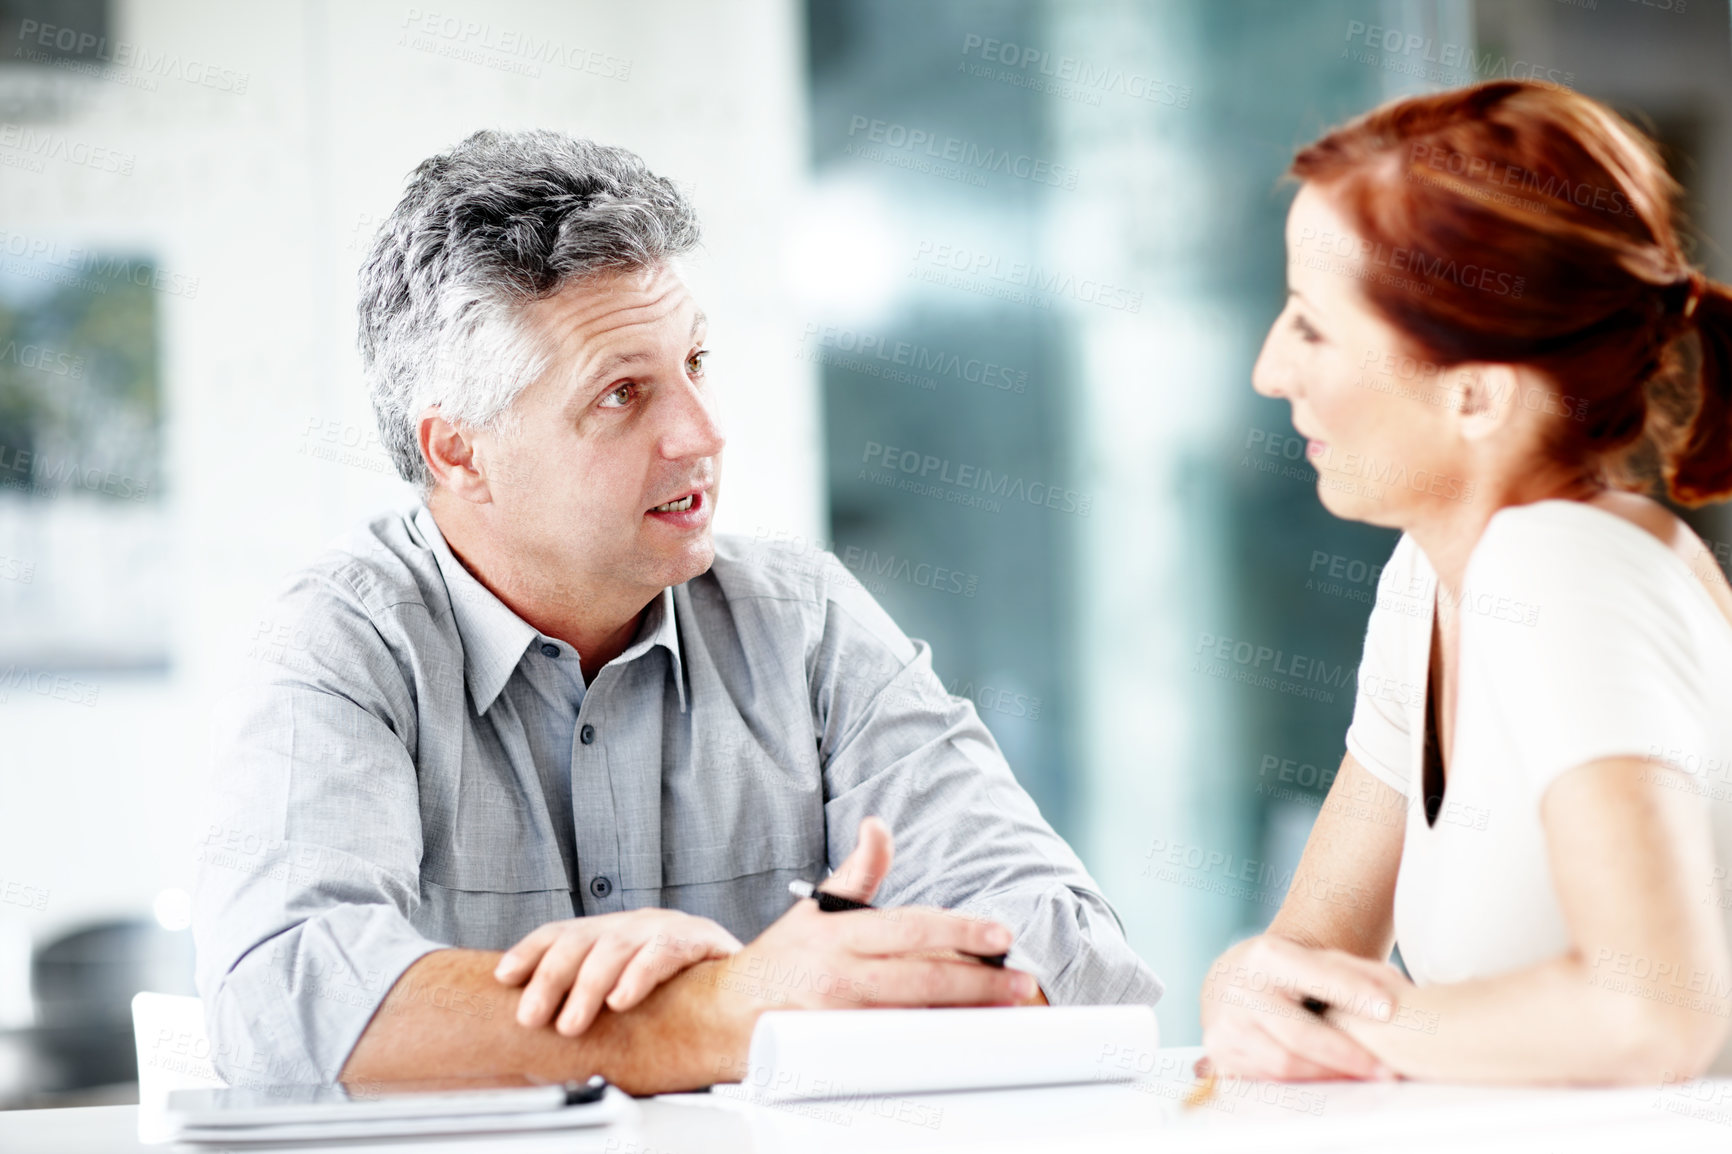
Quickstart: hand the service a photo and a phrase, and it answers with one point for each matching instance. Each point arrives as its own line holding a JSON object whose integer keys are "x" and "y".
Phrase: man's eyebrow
{"x": 606, "y": 368}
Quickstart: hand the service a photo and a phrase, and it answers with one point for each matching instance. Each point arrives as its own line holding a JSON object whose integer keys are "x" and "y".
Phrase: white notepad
{"x": 813, "y": 1054}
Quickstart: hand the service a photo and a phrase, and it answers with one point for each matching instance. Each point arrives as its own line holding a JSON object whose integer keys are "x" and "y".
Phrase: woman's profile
{"x": 1495, "y": 341}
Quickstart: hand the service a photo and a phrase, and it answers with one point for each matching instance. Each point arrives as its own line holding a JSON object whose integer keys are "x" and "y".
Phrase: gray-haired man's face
{"x": 611, "y": 472}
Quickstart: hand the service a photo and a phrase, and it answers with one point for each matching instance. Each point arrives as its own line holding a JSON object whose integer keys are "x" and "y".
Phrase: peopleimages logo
{"x": 859, "y": 350}
{"x": 43, "y": 359}
{"x": 80, "y": 264}
{"x": 1071, "y": 70}
{"x": 922, "y": 142}
{"x": 1499, "y": 175}
{"x": 926, "y": 471}
{"x": 472, "y": 40}
{"x": 38, "y": 145}
{"x": 1354, "y": 256}
{"x": 29, "y": 471}
{"x": 1410, "y": 53}
{"x": 33, "y": 36}
{"x": 983, "y": 272}
{"x": 44, "y": 683}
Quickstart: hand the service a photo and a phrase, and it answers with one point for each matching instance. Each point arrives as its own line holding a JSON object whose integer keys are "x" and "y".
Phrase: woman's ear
{"x": 1484, "y": 396}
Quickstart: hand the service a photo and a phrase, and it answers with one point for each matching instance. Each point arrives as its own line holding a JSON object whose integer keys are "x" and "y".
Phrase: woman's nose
{"x": 1270, "y": 377}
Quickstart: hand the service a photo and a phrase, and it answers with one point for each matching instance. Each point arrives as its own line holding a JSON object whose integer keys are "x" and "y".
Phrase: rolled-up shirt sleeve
{"x": 896, "y": 745}
{"x": 309, "y": 866}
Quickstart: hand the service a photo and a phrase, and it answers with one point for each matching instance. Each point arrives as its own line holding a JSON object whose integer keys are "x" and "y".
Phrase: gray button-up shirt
{"x": 405, "y": 764}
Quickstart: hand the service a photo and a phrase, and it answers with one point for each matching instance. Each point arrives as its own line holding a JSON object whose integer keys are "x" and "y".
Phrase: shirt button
{"x": 587, "y": 733}
{"x": 550, "y": 651}
{"x": 601, "y": 887}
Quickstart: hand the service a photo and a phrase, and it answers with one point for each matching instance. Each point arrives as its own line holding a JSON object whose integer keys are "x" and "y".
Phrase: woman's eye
{"x": 620, "y": 397}
{"x": 1306, "y": 333}
{"x": 695, "y": 362}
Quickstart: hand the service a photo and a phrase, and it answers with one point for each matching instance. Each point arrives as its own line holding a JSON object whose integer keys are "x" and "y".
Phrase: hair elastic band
{"x": 1698, "y": 285}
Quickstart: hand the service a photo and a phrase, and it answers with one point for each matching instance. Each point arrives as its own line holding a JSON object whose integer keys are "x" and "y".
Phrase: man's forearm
{"x": 447, "y": 1016}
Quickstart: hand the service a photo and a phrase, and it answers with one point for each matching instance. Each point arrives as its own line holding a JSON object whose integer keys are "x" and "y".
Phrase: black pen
{"x": 831, "y": 904}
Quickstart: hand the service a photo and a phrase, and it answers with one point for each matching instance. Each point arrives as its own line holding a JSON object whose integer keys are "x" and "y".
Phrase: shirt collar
{"x": 495, "y": 638}
{"x": 659, "y": 627}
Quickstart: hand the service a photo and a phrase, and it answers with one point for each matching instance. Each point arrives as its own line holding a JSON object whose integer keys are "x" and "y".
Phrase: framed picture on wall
{"x": 83, "y": 536}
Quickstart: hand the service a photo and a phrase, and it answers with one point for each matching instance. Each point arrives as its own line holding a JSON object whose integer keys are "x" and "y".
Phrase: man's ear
{"x": 1485, "y": 398}
{"x": 449, "y": 452}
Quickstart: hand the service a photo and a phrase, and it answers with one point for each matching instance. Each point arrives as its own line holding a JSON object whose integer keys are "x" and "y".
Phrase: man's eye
{"x": 621, "y": 397}
{"x": 695, "y": 362}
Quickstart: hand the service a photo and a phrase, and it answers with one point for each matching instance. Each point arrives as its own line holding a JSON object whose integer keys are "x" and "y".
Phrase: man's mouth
{"x": 687, "y": 512}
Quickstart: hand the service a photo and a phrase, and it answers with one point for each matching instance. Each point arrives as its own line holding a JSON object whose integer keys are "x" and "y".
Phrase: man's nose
{"x": 693, "y": 429}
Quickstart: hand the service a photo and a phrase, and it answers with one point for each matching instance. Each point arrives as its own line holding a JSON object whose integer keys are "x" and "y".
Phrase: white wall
{"x": 268, "y": 198}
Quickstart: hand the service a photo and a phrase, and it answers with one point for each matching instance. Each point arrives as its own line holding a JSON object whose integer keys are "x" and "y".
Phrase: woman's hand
{"x": 1255, "y": 1024}
{"x": 617, "y": 958}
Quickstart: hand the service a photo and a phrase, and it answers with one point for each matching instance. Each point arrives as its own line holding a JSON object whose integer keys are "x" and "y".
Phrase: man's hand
{"x": 617, "y": 958}
{"x": 909, "y": 956}
{"x": 864, "y": 870}
{"x": 1255, "y": 1024}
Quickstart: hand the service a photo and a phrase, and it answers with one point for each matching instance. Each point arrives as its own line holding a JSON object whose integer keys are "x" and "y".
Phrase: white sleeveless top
{"x": 1582, "y": 637}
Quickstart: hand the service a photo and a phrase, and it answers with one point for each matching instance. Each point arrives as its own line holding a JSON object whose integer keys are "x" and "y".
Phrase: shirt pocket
{"x": 738, "y": 811}
{"x": 802, "y": 850}
{"x": 492, "y": 873}
{"x": 744, "y": 887}
{"x": 521, "y": 865}
{"x": 487, "y": 919}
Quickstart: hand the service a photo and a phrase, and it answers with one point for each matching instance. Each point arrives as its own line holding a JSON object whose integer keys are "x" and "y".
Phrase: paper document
{"x": 845, "y": 1053}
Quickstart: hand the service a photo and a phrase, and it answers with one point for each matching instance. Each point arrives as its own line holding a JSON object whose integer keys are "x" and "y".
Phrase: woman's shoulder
{"x": 1560, "y": 551}
{"x": 1571, "y": 538}
{"x": 1598, "y": 638}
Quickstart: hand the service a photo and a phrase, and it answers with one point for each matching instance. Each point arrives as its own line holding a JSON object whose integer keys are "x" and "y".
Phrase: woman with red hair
{"x": 1494, "y": 342}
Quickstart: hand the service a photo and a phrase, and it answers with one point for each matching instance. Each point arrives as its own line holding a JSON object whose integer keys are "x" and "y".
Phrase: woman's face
{"x": 1377, "y": 419}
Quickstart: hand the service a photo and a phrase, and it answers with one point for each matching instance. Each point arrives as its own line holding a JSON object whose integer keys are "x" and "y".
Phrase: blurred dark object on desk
{"x": 81, "y": 1051}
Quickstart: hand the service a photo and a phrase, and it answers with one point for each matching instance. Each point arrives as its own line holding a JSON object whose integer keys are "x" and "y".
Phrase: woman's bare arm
{"x": 1644, "y": 993}
{"x": 1330, "y": 940}
{"x": 1343, "y": 893}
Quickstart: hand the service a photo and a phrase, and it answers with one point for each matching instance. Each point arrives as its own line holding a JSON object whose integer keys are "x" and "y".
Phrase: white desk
{"x": 1244, "y": 1117}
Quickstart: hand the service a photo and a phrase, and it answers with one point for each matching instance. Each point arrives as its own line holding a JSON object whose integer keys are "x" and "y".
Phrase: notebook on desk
{"x": 237, "y": 1116}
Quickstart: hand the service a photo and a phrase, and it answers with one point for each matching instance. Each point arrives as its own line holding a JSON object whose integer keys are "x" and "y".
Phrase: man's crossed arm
{"x": 694, "y": 1028}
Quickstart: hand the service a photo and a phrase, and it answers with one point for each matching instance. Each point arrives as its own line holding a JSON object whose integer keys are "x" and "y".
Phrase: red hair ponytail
{"x": 1701, "y": 469}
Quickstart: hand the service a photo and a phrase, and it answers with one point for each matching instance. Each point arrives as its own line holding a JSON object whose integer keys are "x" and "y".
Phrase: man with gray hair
{"x": 544, "y": 712}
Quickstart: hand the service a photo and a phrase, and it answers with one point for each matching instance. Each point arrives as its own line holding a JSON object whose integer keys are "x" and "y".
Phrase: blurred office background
{"x": 1035, "y": 244}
